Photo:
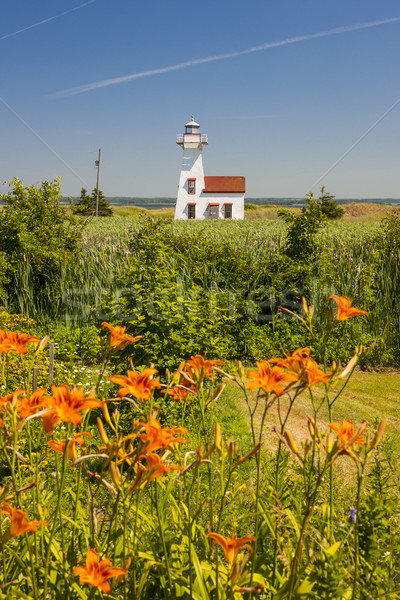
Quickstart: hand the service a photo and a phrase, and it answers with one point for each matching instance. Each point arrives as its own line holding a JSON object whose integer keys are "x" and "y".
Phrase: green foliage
{"x": 302, "y": 243}
{"x": 293, "y": 495}
{"x": 3, "y": 276}
{"x": 86, "y": 205}
{"x": 329, "y": 206}
{"x": 36, "y": 236}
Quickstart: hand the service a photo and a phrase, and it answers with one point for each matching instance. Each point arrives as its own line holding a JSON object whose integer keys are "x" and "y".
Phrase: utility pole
{"x": 97, "y": 164}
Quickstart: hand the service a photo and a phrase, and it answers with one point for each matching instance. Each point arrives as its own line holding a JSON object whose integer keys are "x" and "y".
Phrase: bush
{"x": 301, "y": 236}
{"x": 36, "y": 236}
{"x": 329, "y": 206}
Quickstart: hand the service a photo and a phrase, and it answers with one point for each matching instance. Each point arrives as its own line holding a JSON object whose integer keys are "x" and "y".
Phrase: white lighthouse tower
{"x": 199, "y": 196}
{"x": 191, "y": 181}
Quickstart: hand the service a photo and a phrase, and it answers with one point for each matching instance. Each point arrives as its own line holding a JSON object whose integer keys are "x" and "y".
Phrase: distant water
{"x": 148, "y": 206}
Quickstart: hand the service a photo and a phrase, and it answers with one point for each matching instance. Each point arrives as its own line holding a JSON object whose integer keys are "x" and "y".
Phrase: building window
{"x": 191, "y": 186}
{"x": 213, "y": 211}
{"x": 191, "y": 211}
{"x": 228, "y": 211}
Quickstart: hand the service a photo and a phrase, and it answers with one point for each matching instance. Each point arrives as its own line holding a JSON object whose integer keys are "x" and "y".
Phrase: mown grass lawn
{"x": 368, "y": 396}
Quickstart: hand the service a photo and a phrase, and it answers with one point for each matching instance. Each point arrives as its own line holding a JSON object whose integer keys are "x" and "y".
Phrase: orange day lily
{"x": 154, "y": 437}
{"x": 29, "y": 405}
{"x": 198, "y": 368}
{"x": 76, "y": 440}
{"x": 301, "y": 364}
{"x": 11, "y": 399}
{"x": 155, "y": 469}
{"x": 96, "y": 573}
{"x": 118, "y": 337}
{"x": 67, "y": 406}
{"x": 180, "y": 392}
{"x": 231, "y": 546}
{"x": 16, "y": 342}
{"x": 312, "y": 375}
{"x": 269, "y": 378}
{"x": 140, "y": 385}
{"x": 348, "y": 437}
{"x": 19, "y": 521}
{"x": 345, "y": 433}
{"x": 345, "y": 310}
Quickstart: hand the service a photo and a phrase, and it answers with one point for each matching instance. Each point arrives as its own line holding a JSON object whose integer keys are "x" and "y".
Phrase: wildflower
{"x": 157, "y": 468}
{"x": 269, "y": 378}
{"x": 96, "y": 573}
{"x": 66, "y": 405}
{"x": 179, "y": 392}
{"x": 301, "y": 364}
{"x": 198, "y": 368}
{"x": 29, "y": 405}
{"x": 9, "y": 398}
{"x": 346, "y": 433}
{"x": 19, "y": 522}
{"x": 154, "y": 437}
{"x": 16, "y": 342}
{"x": 347, "y": 437}
{"x": 345, "y": 310}
{"x": 352, "y": 515}
{"x": 76, "y": 440}
{"x": 140, "y": 385}
{"x": 118, "y": 338}
{"x": 312, "y": 375}
{"x": 231, "y": 546}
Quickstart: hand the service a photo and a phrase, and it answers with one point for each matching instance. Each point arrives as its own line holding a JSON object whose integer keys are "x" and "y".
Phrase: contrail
{"x": 198, "y": 61}
{"x": 46, "y": 20}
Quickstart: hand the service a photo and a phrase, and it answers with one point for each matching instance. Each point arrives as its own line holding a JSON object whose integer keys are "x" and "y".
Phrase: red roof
{"x": 220, "y": 185}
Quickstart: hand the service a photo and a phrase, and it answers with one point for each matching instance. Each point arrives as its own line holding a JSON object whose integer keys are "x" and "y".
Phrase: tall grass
{"x": 350, "y": 265}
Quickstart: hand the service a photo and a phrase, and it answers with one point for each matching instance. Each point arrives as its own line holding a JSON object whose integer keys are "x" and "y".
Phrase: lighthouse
{"x": 200, "y": 196}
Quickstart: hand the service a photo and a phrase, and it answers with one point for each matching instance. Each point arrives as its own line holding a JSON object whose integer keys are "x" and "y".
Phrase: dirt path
{"x": 368, "y": 396}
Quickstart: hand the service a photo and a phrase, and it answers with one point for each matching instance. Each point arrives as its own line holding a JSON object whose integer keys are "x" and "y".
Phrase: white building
{"x": 200, "y": 196}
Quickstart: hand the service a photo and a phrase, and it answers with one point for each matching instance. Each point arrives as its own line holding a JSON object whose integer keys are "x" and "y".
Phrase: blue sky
{"x": 290, "y": 118}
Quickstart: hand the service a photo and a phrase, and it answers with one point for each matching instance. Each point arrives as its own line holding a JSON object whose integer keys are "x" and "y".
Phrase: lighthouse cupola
{"x": 192, "y": 138}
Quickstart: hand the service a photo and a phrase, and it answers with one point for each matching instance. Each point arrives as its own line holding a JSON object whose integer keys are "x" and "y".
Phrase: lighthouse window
{"x": 191, "y": 186}
{"x": 228, "y": 211}
{"x": 191, "y": 211}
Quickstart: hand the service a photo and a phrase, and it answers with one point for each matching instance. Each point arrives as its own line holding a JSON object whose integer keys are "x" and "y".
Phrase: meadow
{"x": 222, "y": 422}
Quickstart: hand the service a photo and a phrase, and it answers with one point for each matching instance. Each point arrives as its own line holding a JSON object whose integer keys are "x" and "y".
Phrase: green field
{"x": 173, "y": 478}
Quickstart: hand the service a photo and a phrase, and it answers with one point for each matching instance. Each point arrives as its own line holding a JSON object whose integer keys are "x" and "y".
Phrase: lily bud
{"x": 106, "y": 413}
{"x": 232, "y": 448}
{"x": 218, "y": 437}
{"x": 240, "y": 370}
{"x": 307, "y": 445}
{"x": 311, "y": 427}
{"x": 378, "y": 435}
{"x": 115, "y": 474}
{"x": 43, "y": 343}
{"x": 290, "y": 442}
{"x": 250, "y": 454}
{"x": 349, "y": 367}
{"x": 116, "y": 415}
{"x": 102, "y": 431}
{"x": 219, "y": 391}
{"x": 330, "y": 443}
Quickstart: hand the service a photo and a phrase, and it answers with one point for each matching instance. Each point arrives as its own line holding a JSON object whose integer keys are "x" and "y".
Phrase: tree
{"x": 86, "y": 205}
{"x": 329, "y": 206}
{"x": 303, "y": 228}
{"x": 105, "y": 209}
{"x": 36, "y": 236}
